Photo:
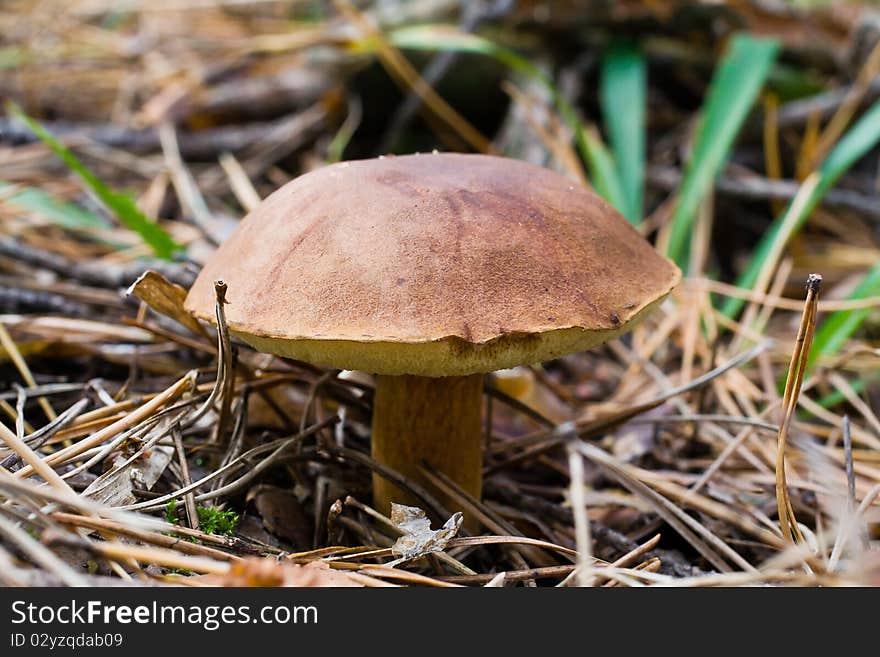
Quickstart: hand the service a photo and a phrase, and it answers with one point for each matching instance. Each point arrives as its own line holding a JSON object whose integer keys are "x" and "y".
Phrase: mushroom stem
{"x": 417, "y": 418}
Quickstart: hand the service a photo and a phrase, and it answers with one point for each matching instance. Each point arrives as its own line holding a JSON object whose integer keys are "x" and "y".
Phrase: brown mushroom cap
{"x": 435, "y": 264}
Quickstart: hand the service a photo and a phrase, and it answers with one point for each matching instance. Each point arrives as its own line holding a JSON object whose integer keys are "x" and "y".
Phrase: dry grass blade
{"x": 403, "y": 576}
{"x": 851, "y": 526}
{"x": 392, "y": 529}
{"x": 241, "y": 184}
{"x": 148, "y": 554}
{"x": 703, "y": 540}
{"x": 787, "y": 520}
{"x": 482, "y": 512}
{"x": 40, "y": 554}
{"x": 466, "y": 541}
{"x": 781, "y": 303}
{"x": 39, "y": 437}
{"x": 110, "y": 527}
{"x": 848, "y": 456}
{"x": 499, "y": 579}
{"x": 189, "y": 499}
{"x": 545, "y": 440}
{"x": 33, "y": 459}
{"x": 184, "y": 183}
{"x": 274, "y": 450}
{"x": 837, "y": 125}
{"x": 226, "y": 364}
{"x": 63, "y": 455}
{"x": 167, "y": 431}
{"x": 623, "y": 562}
{"x": 584, "y": 573}
{"x": 13, "y": 352}
{"x": 510, "y": 540}
{"x": 407, "y": 76}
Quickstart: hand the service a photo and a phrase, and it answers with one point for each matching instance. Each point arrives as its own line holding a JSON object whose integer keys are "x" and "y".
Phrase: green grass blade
{"x": 36, "y": 201}
{"x": 837, "y": 329}
{"x": 859, "y": 140}
{"x": 11, "y": 57}
{"x": 836, "y": 397}
{"x": 603, "y": 171}
{"x": 732, "y": 92}
{"x": 792, "y": 83}
{"x": 622, "y": 93}
{"x": 122, "y": 206}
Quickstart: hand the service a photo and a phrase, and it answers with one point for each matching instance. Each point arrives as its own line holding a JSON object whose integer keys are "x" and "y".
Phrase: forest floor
{"x": 740, "y": 138}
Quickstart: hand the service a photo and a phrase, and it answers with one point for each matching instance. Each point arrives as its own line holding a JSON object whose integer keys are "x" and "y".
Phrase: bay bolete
{"x": 428, "y": 271}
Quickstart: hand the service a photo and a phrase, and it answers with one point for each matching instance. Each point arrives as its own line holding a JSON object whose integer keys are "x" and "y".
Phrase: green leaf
{"x": 732, "y": 92}
{"x": 622, "y": 91}
{"x": 121, "y": 205}
{"x": 431, "y": 37}
{"x": 858, "y": 141}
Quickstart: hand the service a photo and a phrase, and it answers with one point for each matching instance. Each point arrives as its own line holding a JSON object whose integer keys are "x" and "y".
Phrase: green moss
{"x": 216, "y": 521}
{"x": 171, "y": 512}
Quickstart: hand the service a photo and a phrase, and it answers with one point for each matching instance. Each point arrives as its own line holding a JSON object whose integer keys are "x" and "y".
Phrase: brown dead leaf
{"x": 165, "y": 298}
{"x": 282, "y": 515}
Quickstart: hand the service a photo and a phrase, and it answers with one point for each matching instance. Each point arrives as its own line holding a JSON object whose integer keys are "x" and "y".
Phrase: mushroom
{"x": 429, "y": 271}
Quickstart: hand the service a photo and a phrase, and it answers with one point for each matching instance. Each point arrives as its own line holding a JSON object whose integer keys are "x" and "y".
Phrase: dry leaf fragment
{"x": 282, "y": 514}
{"x": 165, "y": 298}
{"x": 140, "y": 470}
{"x": 418, "y": 538}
